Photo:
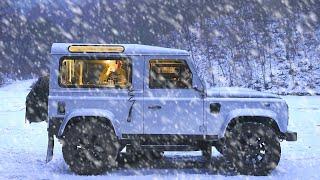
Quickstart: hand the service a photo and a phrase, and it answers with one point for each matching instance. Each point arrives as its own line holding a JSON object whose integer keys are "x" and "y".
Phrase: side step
{"x": 169, "y": 139}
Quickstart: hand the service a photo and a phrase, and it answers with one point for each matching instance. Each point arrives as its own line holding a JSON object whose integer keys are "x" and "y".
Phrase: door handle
{"x": 154, "y": 107}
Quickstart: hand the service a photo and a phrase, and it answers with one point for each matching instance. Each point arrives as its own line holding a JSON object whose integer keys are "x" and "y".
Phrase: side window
{"x": 93, "y": 73}
{"x": 169, "y": 74}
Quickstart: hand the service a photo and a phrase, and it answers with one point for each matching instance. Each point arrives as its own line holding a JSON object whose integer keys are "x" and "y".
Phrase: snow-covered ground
{"x": 23, "y": 147}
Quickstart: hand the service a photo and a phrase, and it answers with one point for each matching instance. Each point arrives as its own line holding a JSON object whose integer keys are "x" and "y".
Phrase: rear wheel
{"x": 90, "y": 146}
{"x": 252, "y": 148}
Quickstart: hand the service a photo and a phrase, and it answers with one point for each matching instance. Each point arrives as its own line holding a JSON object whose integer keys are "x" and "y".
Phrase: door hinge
{"x": 203, "y": 128}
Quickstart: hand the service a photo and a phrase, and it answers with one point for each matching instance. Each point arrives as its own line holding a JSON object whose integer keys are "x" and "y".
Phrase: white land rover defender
{"x": 101, "y": 98}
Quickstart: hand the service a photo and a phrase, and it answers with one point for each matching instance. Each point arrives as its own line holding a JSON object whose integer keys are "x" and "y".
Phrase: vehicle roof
{"x": 129, "y": 49}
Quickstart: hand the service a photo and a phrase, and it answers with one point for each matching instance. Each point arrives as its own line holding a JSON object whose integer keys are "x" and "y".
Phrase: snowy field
{"x": 23, "y": 147}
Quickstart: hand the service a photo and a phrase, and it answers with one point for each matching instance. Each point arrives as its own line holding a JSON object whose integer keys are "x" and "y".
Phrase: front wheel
{"x": 253, "y": 148}
{"x": 90, "y": 147}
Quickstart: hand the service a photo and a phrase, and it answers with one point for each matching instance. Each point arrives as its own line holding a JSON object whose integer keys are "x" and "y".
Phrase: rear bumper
{"x": 290, "y": 136}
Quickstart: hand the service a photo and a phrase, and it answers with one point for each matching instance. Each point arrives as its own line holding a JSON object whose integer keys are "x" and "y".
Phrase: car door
{"x": 133, "y": 121}
{"x": 171, "y": 104}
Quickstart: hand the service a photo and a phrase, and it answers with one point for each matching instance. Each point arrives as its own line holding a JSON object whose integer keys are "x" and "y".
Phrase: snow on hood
{"x": 237, "y": 92}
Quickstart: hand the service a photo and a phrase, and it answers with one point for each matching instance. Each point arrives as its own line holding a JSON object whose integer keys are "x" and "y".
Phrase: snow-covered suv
{"x": 103, "y": 98}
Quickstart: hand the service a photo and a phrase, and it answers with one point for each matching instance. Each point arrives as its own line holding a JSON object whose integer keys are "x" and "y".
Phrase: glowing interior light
{"x": 96, "y": 49}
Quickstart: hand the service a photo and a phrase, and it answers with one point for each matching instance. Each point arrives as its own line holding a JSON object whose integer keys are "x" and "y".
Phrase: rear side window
{"x": 95, "y": 73}
{"x": 169, "y": 74}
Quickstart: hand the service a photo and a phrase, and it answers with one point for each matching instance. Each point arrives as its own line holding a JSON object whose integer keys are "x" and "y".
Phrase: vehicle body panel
{"x": 237, "y": 92}
{"x": 231, "y": 108}
{"x": 99, "y": 100}
{"x": 183, "y": 111}
{"x": 130, "y": 49}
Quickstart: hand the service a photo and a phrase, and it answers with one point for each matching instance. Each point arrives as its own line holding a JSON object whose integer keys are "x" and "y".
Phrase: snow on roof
{"x": 130, "y": 49}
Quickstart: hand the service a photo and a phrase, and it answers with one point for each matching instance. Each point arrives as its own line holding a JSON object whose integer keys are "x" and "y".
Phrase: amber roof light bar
{"x": 96, "y": 49}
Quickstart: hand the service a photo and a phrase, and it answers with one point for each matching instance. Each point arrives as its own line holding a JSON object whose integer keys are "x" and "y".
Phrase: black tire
{"x": 90, "y": 147}
{"x": 253, "y": 148}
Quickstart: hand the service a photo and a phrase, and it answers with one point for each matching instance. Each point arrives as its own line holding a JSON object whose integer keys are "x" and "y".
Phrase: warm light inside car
{"x": 96, "y": 49}
{"x": 94, "y": 73}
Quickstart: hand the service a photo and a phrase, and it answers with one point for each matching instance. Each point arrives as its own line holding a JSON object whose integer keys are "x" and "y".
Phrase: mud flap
{"x": 50, "y": 147}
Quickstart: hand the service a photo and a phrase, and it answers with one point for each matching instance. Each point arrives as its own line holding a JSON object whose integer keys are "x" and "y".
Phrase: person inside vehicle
{"x": 114, "y": 74}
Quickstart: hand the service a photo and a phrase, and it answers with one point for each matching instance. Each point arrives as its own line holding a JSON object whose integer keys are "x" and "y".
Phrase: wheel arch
{"x": 103, "y": 115}
{"x": 265, "y": 117}
{"x": 258, "y": 119}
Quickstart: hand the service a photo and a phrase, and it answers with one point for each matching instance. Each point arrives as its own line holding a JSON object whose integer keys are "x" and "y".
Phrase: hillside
{"x": 266, "y": 45}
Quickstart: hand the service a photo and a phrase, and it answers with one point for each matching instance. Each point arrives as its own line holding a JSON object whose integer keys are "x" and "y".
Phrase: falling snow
{"x": 265, "y": 45}
{"x": 269, "y": 46}
{"x": 23, "y": 147}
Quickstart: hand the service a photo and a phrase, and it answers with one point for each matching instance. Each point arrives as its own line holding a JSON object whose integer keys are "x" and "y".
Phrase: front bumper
{"x": 289, "y": 136}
